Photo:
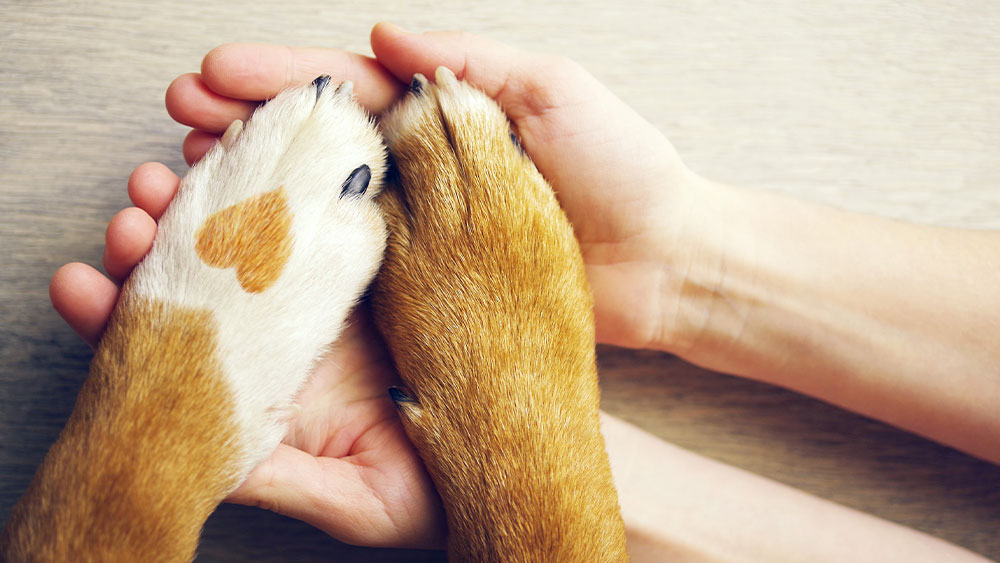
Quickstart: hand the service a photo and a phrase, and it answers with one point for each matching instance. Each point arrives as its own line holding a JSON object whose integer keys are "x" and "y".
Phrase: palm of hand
{"x": 346, "y": 464}
{"x": 622, "y": 185}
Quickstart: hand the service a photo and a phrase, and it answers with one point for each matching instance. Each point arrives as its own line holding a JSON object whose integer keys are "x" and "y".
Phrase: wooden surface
{"x": 890, "y": 109}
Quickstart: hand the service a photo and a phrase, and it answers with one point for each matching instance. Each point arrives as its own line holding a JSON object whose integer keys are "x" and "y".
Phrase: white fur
{"x": 269, "y": 341}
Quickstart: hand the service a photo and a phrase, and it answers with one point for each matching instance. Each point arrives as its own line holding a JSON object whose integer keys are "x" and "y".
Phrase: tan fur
{"x": 253, "y": 236}
{"x": 131, "y": 480}
{"x": 484, "y": 304}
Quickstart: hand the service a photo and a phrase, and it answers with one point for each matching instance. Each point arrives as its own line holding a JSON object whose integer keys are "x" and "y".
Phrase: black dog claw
{"x": 357, "y": 183}
{"x": 517, "y": 142}
{"x": 418, "y": 84}
{"x": 320, "y": 83}
{"x": 399, "y": 396}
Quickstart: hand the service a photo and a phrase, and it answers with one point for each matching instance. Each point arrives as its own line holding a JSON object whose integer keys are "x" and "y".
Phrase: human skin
{"x": 737, "y": 291}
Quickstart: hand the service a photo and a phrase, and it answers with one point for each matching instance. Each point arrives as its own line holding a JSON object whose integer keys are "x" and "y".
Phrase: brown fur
{"x": 253, "y": 236}
{"x": 143, "y": 461}
{"x": 484, "y": 304}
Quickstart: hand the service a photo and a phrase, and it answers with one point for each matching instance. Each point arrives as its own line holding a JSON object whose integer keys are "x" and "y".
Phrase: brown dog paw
{"x": 484, "y": 303}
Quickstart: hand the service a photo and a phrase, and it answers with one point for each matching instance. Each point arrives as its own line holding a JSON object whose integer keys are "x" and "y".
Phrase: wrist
{"x": 706, "y": 273}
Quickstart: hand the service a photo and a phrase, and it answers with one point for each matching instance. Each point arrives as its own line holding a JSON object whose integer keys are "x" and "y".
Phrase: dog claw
{"x": 444, "y": 75}
{"x": 232, "y": 133}
{"x": 346, "y": 88}
{"x": 320, "y": 83}
{"x": 418, "y": 84}
{"x": 357, "y": 183}
{"x": 399, "y": 396}
{"x": 517, "y": 142}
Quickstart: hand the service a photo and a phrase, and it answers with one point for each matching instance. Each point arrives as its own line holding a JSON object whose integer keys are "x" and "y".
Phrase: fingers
{"x": 472, "y": 58}
{"x": 151, "y": 187}
{"x": 248, "y": 71}
{"x": 84, "y": 299}
{"x": 196, "y": 144}
{"x": 128, "y": 238}
{"x": 234, "y": 77}
{"x": 130, "y": 233}
{"x": 82, "y": 295}
{"x": 191, "y": 102}
{"x": 524, "y": 84}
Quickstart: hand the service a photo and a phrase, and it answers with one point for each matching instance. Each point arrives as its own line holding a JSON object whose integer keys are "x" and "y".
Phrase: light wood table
{"x": 887, "y": 109}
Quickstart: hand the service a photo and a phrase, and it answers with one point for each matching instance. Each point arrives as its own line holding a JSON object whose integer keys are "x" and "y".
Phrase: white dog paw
{"x": 274, "y": 235}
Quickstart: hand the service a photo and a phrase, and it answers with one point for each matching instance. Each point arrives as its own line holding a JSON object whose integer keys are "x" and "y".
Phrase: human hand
{"x": 617, "y": 178}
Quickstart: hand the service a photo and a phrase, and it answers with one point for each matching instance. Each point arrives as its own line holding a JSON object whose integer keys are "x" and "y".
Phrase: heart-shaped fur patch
{"x": 253, "y": 236}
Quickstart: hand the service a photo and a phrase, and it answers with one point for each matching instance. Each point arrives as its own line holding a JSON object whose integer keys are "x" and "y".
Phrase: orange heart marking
{"x": 253, "y": 236}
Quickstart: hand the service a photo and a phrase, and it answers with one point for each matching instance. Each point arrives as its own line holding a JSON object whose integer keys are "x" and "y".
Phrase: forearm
{"x": 680, "y": 506}
{"x": 896, "y": 321}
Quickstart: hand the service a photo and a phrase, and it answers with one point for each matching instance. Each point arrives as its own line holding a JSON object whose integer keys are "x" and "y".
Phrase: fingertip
{"x": 235, "y": 69}
{"x": 256, "y": 71}
{"x": 196, "y": 144}
{"x": 251, "y": 71}
{"x": 385, "y": 31}
{"x": 128, "y": 238}
{"x": 151, "y": 187}
{"x": 389, "y": 43}
{"x": 192, "y": 102}
{"x": 84, "y": 298}
{"x": 178, "y": 94}
{"x": 62, "y": 280}
{"x": 524, "y": 84}
{"x": 216, "y": 60}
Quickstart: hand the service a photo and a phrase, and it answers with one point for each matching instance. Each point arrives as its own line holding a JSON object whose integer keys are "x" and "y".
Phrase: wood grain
{"x": 889, "y": 109}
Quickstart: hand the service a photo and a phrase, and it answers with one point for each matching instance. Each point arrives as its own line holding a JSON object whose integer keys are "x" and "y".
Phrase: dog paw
{"x": 480, "y": 255}
{"x": 271, "y": 238}
{"x": 483, "y": 301}
{"x": 482, "y": 295}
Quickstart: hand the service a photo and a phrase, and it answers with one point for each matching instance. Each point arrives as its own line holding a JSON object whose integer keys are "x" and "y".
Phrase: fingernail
{"x": 395, "y": 28}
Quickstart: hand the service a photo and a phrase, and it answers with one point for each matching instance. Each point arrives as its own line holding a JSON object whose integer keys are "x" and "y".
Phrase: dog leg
{"x": 483, "y": 301}
{"x": 271, "y": 239}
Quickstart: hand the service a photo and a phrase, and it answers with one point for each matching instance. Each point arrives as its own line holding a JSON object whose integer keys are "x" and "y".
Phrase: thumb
{"x": 278, "y": 483}
{"x": 327, "y": 493}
